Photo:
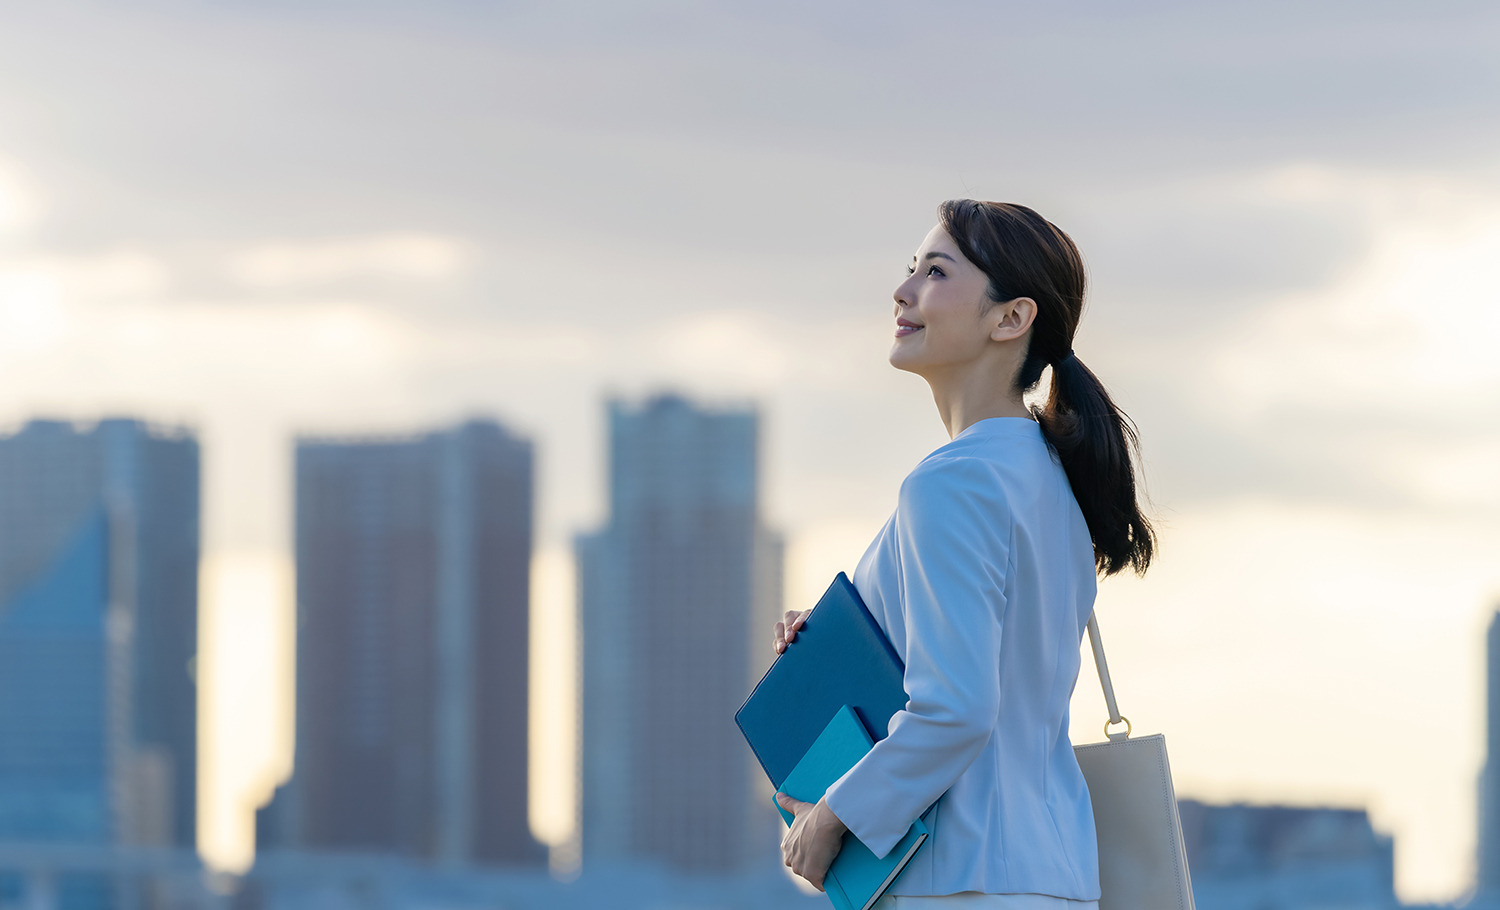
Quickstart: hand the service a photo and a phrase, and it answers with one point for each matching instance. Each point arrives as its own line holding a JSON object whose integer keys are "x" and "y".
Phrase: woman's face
{"x": 944, "y": 317}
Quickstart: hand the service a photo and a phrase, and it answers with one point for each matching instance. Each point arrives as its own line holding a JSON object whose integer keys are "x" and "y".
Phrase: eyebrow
{"x": 936, "y": 255}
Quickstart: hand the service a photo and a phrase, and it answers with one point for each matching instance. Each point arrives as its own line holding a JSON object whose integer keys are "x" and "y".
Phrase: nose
{"x": 902, "y": 296}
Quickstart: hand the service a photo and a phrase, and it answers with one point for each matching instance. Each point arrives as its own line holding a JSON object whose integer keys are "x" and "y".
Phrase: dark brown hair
{"x": 1025, "y": 255}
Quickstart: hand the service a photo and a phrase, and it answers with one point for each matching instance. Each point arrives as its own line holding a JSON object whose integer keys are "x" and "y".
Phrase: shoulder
{"x": 954, "y": 485}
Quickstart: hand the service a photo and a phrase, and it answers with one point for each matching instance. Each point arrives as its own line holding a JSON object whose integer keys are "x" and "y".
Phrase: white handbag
{"x": 1142, "y": 863}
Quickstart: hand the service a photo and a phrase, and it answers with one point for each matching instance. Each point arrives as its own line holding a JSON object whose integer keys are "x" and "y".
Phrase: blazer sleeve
{"x": 953, "y": 540}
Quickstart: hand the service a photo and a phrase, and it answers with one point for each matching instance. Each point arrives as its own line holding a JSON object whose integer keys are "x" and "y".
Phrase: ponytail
{"x": 1095, "y": 441}
{"x": 1025, "y": 255}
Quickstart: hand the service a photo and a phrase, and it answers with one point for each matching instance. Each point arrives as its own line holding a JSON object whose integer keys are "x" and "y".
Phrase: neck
{"x": 966, "y": 396}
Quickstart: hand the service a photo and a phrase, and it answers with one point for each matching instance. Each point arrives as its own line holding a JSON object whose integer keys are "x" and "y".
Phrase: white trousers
{"x": 973, "y": 900}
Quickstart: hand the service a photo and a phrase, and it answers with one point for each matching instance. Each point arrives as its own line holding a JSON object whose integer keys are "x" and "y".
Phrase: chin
{"x": 903, "y": 360}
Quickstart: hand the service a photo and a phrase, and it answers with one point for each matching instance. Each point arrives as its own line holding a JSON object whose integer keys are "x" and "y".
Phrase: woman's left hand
{"x": 814, "y": 839}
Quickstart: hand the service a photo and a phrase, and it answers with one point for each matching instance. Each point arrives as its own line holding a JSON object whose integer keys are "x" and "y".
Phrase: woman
{"x": 984, "y": 580}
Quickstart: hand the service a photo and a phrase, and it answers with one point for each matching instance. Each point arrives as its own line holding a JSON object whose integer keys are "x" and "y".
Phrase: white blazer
{"x": 983, "y": 580}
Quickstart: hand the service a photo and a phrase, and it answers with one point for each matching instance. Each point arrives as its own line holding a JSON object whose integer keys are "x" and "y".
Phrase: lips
{"x": 906, "y": 327}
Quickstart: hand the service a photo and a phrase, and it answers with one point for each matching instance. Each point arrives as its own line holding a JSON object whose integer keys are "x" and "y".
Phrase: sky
{"x": 267, "y": 219}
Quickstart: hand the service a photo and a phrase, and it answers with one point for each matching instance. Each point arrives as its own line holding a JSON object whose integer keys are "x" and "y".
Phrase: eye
{"x": 911, "y": 270}
{"x": 934, "y": 270}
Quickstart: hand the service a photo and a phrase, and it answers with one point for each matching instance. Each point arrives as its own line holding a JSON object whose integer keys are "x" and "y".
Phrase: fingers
{"x": 786, "y": 630}
{"x": 792, "y": 804}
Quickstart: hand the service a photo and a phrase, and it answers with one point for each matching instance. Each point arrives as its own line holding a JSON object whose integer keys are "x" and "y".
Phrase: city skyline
{"x": 668, "y": 452}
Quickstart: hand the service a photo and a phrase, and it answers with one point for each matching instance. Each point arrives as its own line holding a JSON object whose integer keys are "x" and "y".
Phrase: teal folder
{"x": 857, "y": 878}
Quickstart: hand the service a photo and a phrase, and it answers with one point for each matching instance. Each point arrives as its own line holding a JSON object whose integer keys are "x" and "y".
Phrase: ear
{"x": 1012, "y": 319}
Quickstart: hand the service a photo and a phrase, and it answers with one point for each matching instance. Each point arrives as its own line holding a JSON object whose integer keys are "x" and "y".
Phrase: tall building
{"x": 1489, "y": 787}
{"x": 98, "y": 634}
{"x": 413, "y": 593}
{"x": 670, "y": 589}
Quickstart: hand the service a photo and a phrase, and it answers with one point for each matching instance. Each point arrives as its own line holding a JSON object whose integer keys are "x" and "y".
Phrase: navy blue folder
{"x": 840, "y": 657}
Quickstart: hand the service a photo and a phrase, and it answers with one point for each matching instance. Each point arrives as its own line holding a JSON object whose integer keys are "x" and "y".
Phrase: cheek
{"x": 938, "y": 343}
{"x": 956, "y": 331}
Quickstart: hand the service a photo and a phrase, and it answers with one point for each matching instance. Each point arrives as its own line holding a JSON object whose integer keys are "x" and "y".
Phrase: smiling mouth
{"x": 904, "y": 328}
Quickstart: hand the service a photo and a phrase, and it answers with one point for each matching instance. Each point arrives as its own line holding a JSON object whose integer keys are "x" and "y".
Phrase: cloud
{"x": 1356, "y": 383}
{"x": 20, "y": 199}
{"x": 412, "y": 257}
{"x": 1411, "y": 327}
{"x": 43, "y": 297}
{"x": 31, "y": 314}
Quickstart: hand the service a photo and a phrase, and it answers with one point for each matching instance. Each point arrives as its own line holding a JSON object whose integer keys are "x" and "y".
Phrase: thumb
{"x": 792, "y": 804}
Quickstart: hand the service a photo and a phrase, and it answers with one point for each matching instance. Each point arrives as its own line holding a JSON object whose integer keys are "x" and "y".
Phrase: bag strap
{"x": 1097, "y": 644}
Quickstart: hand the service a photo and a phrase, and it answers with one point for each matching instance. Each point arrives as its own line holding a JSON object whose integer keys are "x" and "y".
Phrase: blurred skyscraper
{"x": 670, "y": 590}
{"x": 1488, "y": 890}
{"x": 413, "y": 597}
{"x": 98, "y": 635}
